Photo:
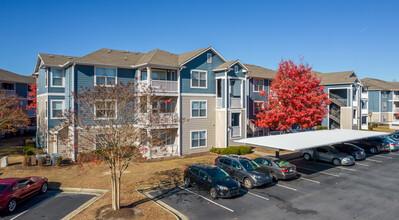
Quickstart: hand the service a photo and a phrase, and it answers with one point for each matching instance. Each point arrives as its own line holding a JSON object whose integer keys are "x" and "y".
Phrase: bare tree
{"x": 115, "y": 126}
{"x": 12, "y": 116}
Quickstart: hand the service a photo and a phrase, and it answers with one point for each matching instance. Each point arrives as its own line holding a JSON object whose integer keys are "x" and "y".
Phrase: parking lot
{"x": 367, "y": 190}
{"x": 52, "y": 205}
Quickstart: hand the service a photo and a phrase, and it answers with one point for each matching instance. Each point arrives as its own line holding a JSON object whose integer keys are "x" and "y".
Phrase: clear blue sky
{"x": 331, "y": 35}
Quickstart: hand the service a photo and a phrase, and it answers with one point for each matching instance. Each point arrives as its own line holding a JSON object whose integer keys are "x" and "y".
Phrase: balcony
{"x": 365, "y": 95}
{"x": 235, "y": 102}
{"x": 7, "y": 92}
{"x": 157, "y": 120}
{"x": 219, "y": 103}
{"x": 162, "y": 151}
{"x": 164, "y": 85}
{"x": 395, "y": 98}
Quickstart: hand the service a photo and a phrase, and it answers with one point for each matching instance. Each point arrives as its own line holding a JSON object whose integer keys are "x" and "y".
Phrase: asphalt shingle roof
{"x": 226, "y": 65}
{"x": 345, "y": 77}
{"x": 377, "y": 84}
{"x": 261, "y": 72}
{"x": 55, "y": 60}
{"x": 13, "y": 77}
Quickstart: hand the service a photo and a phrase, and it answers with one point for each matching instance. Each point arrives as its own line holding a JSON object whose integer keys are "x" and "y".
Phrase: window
{"x": 164, "y": 75}
{"x": 384, "y": 106}
{"x": 198, "y": 139}
{"x": 258, "y": 106}
{"x": 235, "y": 119}
{"x": 57, "y": 109}
{"x": 258, "y": 85}
{"x": 198, "y": 109}
{"x": 57, "y": 78}
{"x": 236, "y": 165}
{"x": 105, "y": 77}
{"x": 105, "y": 109}
{"x": 203, "y": 174}
{"x": 143, "y": 75}
{"x": 198, "y": 79}
{"x": 236, "y": 69}
{"x": 7, "y": 86}
{"x": 209, "y": 58}
{"x": 384, "y": 94}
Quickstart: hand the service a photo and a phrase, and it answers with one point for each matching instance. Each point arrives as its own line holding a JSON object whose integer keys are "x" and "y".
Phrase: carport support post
{"x": 314, "y": 155}
{"x": 278, "y": 153}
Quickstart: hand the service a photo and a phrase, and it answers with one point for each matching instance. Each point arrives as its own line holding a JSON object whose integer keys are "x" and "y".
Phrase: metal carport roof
{"x": 308, "y": 139}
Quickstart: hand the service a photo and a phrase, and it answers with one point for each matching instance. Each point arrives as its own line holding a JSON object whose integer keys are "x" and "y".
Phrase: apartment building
{"x": 207, "y": 93}
{"x": 15, "y": 84}
{"x": 383, "y": 100}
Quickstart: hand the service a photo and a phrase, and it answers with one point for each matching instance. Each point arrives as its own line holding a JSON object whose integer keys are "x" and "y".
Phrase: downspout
{"x": 179, "y": 109}
{"x": 74, "y": 142}
{"x": 226, "y": 107}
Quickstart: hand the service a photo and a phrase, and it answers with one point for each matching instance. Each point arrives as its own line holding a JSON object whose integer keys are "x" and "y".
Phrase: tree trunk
{"x": 118, "y": 191}
{"x": 115, "y": 203}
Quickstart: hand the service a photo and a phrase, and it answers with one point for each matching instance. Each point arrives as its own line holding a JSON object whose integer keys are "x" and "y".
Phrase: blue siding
{"x": 54, "y": 89}
{"x": 84, "y": 77}
{"x": 41, "y": 82}
{"x": 240, "y": 71}
{"x": 53, "y": 122}
{"x": 254, "y": 96}
{"x": 324, "y": 122}
{"x": 68, "y": 88}
{"x": 200, "y": 64}
{"x": 389, "y": 104}
{"x": 374, "y": 101}
{"x": 21, "y": 90}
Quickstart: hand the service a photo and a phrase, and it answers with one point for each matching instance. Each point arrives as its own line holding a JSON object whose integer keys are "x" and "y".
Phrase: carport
{"x": 309, "y": 139}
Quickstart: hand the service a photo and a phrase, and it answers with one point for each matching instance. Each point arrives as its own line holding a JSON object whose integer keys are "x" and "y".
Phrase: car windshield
{"x": 217, "y": 174}
{"x": 282, "y": 163}
{"x": 249, "y": 164}
{"x": 3, "y": 187}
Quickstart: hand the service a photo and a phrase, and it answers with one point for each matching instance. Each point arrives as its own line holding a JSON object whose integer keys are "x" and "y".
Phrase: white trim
{"x": 206, "y": 139}
{"x": 51, "y": 79}
{"x": 235, "y": 69}
{"x": 240, "y": 124}
{"x": 46, "y": 108}
{"x": 191, "y": 79}
{"x": 198, "y": 94}
{"x": 206, "y": 108}
{"x": 46, "y": 78}
{"x": 209, "y": 57}
{"x": 209, "y": 48}
{"x": 51, "y": 108}
{"x": 106, "y": 85}
{"x": 51, "y": 94}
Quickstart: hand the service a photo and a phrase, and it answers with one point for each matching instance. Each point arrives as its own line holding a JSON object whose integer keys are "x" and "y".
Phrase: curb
{"x": 145, "y": 192}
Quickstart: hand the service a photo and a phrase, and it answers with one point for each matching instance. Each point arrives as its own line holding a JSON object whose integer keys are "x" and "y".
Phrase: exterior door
{"x": 235, "y": 125}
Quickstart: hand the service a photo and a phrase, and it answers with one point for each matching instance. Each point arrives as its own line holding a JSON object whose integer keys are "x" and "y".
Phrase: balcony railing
{"x": 160, "y": 119}
{"x": 219, "y": 102}
{"x": 364, "y": 111}
{"x": 162, "y": 151}
{"x": 354, "y": 103}
{"x": 235, "y": 102}
{"x": 236, "y": 131}
{"x": 7, "y": 92}
{"x": 365, "y": 95}
{"x": 164, "y": 85}
{"x": 396, "y": 97}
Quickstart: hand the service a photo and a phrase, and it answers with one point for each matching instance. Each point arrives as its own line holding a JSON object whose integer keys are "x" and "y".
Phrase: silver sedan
{"x": 329, "y": 154}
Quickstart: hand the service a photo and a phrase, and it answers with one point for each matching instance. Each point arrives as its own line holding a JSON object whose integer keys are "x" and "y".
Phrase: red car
{"x": 13, "y": 190}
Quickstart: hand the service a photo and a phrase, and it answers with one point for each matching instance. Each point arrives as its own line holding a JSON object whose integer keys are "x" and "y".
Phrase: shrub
{"x": 58, "y": 161}
{"x": 239, "y": 150}
{"x": 26, "y": 161}
{"x": 321, "y": 128}
{"x": 42, "y": 161}
{"x": 28, "y": 151}
{"x": 30, "y": 142}
{"x": 373, "y": 125}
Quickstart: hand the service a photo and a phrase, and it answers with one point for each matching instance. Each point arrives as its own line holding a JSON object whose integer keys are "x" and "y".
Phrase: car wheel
{"x": 336, "y": 162}
{"x": 248, "y": 183}
{"x": 306, "y": 156}
{"x": 44, "y": 188}
{"x": 213, "y": 193}
{"x": 373, "y": 150}
{"x": 274, "y": 178}
{"x": 12, "y": 205}
{"x": 186, "y": 182}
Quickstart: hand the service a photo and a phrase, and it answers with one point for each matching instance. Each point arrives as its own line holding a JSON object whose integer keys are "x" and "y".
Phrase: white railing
{"x": 164, "y": 85}
{"x": 395, "y": 109}
{"x": 355, "y": 121}
{"x": 365, "y": 95}
{"x": 354, "y": 103}
{"x": 162, "y": 151}
{"x": 395, "y": 97}
{"x": 236, "y": 131}
{"x": 364, "y": 111}
{"x": 235, "y": 102}
{"x": 219, "y": 102}
{"x": 158, "y": 119}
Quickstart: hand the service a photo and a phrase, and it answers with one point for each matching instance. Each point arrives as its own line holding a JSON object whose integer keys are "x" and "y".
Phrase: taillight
{"x": 294, "y": 168}
{"x": 284, "y": 170}
{"x": 185, "y": 170}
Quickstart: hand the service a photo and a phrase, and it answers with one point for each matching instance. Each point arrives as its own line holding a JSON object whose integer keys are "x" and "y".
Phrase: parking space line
{"x": 231, "y": 210}
{"x": 254, "y": 194}
{"x": 342, "y": 168}
{"x": 286, "y": 187}
{"x": 378, "y": 161}
{"x": 366, "y": 165}
{"x": 382, "y": 156}
{"x": 330, "y": 174}
{"x": 314, "y": 181}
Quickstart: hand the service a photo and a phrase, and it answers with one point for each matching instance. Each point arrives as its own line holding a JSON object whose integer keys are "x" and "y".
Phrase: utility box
{"x": 53, "y": 158}
{"x": 4, "y": 161}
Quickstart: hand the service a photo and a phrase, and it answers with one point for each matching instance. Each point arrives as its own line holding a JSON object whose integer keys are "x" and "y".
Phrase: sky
{"x": 330, "y": 36}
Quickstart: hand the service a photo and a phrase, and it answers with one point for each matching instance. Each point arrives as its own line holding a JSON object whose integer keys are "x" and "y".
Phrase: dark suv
{"x": 244, "y": 170}
{"x": 373, "y": 145}
{"x": 212, "y": 179}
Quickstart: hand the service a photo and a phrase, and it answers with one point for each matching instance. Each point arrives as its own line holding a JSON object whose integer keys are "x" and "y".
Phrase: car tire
{"x": 336, "y": 162}
{"x": 306, "y": 156}
{"x": 274, "y": 178}
{"x": 186, "y": 182}
{"x": 213, "y": 193}
{"x": 11, "y": 206}
{"x": 373, "y": 150}
{"x": 248, "y": 183}
{"x": 44, "y": 188}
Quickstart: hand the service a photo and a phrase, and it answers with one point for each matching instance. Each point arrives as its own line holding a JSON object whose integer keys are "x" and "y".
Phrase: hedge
{"x": 239, "y": 150}
{"x": 321, "y": 128}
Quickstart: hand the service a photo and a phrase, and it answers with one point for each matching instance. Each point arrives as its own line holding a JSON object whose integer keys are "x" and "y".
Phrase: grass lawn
{"x": 138, "y": 175}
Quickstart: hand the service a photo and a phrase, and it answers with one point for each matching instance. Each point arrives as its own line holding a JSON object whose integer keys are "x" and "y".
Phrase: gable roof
{"x": 377, "y": 84}
{"x": 345, "y": 77}
{"x": 55, "y": 60}
{"x": 16, "y": 78}
{"x": 111, "y": 57}
{"x": 260, "y": 72}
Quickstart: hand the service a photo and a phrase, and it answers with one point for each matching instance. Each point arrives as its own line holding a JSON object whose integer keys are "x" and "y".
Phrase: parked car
{"x": 373, "y": 145}
{"x": 329, "y": 154}
{"x": 395, "y": 134}
{"x": 278, "y": 168}
{"x": 15, "y": 190}
{"x": 351, "y": 149}
{"x": 212, "y": 179}
{"x": 393, "y": 143}
{"x": 244, "y": 170}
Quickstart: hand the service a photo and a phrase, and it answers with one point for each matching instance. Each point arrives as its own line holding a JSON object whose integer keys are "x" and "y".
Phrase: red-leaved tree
{"x": 295, "y": 97}
{"x": 32, "y": 96}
